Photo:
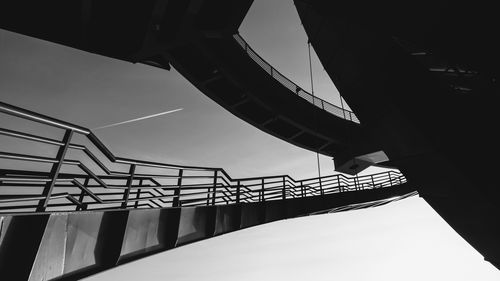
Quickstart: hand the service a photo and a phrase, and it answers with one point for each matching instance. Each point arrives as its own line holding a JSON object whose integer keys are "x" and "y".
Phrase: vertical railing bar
{"x": 284, "y": 191}
{"x": 320, "y": 186}
{"x": 208, "y": 195}
{"x": 138, "y": 195}
{"x": 54, "y": 171}
{"x": 130, "y": 180}
{"x": 177, "y": 192}
{"x": 262, "y": 188}
{"x": 82, "y": 196}
{"x": 214, "y": 188}
{"x": 302, "y": 188}
{"x": 238, "y": 192}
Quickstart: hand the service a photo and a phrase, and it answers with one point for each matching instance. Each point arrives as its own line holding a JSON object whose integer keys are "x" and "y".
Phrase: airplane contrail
{"x": 138, "y": 119}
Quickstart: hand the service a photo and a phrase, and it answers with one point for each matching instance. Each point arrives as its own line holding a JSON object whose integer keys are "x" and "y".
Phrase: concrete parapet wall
{"x": 72, "y": 245}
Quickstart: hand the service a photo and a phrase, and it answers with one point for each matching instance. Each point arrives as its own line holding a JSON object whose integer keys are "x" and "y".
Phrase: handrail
{"x": 296, "y": 89}
{"x": 37, "y": 117}
{"x": 173, "y": 185}
{"x": 43, "y": 119}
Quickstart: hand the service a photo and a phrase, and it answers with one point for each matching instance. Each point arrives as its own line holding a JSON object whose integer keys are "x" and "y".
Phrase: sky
{"x": 94, "y": 91}
{"x": 378, "y": 244}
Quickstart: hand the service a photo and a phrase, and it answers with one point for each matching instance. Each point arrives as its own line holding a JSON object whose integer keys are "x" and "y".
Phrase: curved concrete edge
{"x": 72, "y": 245}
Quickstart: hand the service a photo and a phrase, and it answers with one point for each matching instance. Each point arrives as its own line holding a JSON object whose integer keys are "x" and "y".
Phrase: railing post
{"x": 82, "y": 196}
{"x": 138, "y": 195}
{"x": 208, "y": 195}
{"x": 338, "y": 182}
{"x": 177, "y": 192}
{"x": 302, "y": 188}
{"x": 320, "y": 187}
{"x": 284, "y": 191}
{"x": 262, "y": 191}
{"x": 238, "y": 193}
{"x": 130, "y": 180}
{"x": 373, "y": 182}
{"x": 54, "y": 171}
{"x": 390, "y": 179}
{"x": 215, "y": 188}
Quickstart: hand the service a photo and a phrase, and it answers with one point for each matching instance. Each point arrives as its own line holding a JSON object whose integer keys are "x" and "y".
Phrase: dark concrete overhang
{"x": 383, "y": 57}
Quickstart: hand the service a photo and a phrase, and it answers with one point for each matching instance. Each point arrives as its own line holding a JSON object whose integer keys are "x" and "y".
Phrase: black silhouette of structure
{"x": 421, "y": 81}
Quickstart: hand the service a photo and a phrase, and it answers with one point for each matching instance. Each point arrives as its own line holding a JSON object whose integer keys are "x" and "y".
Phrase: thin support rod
{"x": 83, "y": 206}
{"x": 138, "y": 195}
{"x": 238, "y": 193}
{"x": 130, "y": 180}
{"x": 315, "y": 117}
{"x": 208, "y": 195}
{"x": 342, "y": 105}
{"x": 310, "y": 68}
{"x": 214, "y": 188}
{"x": 262, "y": 191}
{"x": 177, "y": 191}
{"x": 283, "y": 193}
{"x": 54, "y": 171}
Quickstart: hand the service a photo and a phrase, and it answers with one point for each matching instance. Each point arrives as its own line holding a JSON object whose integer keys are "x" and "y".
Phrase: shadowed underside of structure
{"x": 423, "y": 79}
{"x": 199, "y": 38}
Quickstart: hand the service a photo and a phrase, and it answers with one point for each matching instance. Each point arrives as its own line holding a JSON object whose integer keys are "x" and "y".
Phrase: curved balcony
{"x": 294, "y": 88}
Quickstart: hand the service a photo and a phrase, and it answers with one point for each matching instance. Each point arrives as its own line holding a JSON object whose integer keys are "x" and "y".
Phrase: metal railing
{"x": 85, "y": 175}
{"x": 331, "y": 108}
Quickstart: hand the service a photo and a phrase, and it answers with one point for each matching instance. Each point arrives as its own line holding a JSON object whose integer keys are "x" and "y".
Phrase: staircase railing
{"x": 85, "y": 175}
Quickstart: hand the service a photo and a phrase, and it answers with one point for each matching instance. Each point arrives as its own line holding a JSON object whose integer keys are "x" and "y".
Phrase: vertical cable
{"x": 312, "y": 92}
{"x": 342, "y": 105}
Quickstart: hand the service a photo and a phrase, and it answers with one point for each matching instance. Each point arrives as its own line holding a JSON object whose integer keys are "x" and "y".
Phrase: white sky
{"x": 405, "y": 240}
{"x": 402, "y": 241}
